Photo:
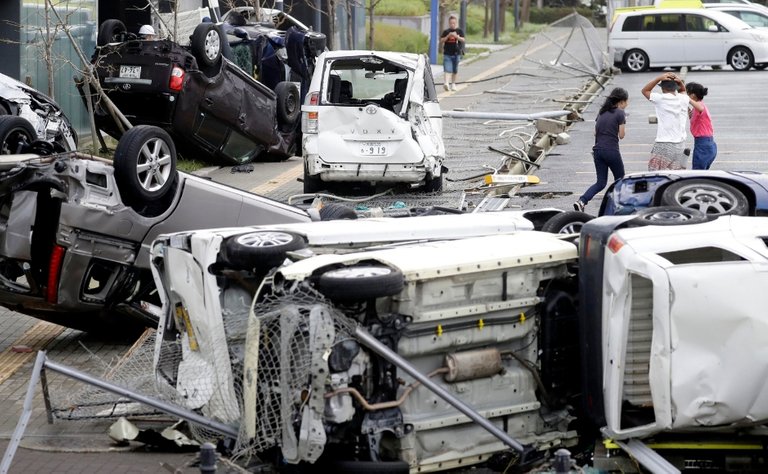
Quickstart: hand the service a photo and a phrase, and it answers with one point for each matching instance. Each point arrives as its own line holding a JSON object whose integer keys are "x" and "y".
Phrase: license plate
{"x": 130, "y": 72}
{"x": 373, "y": 149}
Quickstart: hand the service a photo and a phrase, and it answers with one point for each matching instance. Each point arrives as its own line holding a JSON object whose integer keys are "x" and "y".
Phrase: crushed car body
{"x": 46, "y": 120}
{"x": 547, "y": 341}
{"x": 74, "y": 252}
{"x": 372, "y": 117}
{"x": 209, "y": 104}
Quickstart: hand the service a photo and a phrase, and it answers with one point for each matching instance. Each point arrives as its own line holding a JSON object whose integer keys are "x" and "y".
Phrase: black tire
{"x": 312, "y": 183}
{"x": 635, "y": 60}
{"x": 333, "y": 211}
{"x": 668, "y": 215}
{"x": 262, "y": 249}
{"x": 568, "y": 222}
{"x": 360, "y": 282}
{"x": 206, "y": 44}
{"x": 4, "y": 109}
{"x": 712, "y": 198}
{"x": 434, "y": 184}
{"x": 16, "y": 135}
{"x": 111, "y": 31}
{"x": 288, "y": 102}
{"x": 145, "y": 164}
{"x": 367, "y": 467}
{"x": 741, "y": 58}
{"x": 760, "y": 66}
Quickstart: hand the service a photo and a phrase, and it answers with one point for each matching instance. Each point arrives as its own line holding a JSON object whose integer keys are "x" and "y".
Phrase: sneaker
{"x": 453, "y": 86}
{"x": 446, "y": 86}
{"x": 579, "y": 206}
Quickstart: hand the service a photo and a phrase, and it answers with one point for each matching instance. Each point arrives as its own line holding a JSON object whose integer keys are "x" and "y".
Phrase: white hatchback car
{"x": 371, "y": 117}
{"x": 685, "y": 37}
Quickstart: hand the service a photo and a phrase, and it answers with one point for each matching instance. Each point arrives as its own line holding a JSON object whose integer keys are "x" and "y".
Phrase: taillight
{"x": 54, "y": 271}
{"x": 177, "y": 78}
{"x": 310, "y": 124}
{"x": 615, "y": 244}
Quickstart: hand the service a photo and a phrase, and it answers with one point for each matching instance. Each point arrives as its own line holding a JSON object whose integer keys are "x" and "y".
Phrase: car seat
{"x": 345, "y": 92}
{"x": 399, "y": 99}
{"x": 334, "y": 88}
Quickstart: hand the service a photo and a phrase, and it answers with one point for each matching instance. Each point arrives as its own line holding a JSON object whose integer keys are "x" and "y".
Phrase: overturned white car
{"x": 372, "y": 117}
{"x": 440, "y": 354}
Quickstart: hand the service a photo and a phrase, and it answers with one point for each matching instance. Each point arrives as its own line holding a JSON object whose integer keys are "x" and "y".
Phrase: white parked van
{"x": 685, "y": 37}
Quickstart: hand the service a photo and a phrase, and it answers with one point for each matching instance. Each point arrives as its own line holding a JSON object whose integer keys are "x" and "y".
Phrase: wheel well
{"x": 745, "y": 190}
{"x": 730, "y": 51}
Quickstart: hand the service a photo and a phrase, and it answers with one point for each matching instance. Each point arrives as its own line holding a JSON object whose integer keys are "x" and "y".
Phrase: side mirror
{"x": 713, "y": 28}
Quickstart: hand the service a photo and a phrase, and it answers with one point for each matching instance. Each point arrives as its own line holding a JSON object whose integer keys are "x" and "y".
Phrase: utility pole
{"x": 463, "y": 16}
{"x": 496, "y": 22}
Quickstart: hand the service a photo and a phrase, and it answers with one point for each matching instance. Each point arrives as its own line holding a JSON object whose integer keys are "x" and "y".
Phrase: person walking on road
{"x": 704, "y": 146}
{"x": 671, "y": 104}
{"x": 452, "y": 40}
{"x": 609, "y": 129}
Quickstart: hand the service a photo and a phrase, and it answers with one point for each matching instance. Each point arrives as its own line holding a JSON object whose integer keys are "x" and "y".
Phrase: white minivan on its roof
{"x": 685, "y": 37}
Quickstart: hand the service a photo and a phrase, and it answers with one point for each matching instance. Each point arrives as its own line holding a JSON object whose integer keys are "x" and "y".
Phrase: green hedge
{"x": 552, "y": 14}
{"x": 401, "y": 7}
{"x": 396, "y": 38}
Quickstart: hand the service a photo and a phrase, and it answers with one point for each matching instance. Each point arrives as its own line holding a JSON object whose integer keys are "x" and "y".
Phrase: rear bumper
{"x": 429, "y": 167}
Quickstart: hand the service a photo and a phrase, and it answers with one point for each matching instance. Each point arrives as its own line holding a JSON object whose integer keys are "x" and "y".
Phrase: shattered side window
{"x": 701, "y": 255}
{"x": 430, "y": 94}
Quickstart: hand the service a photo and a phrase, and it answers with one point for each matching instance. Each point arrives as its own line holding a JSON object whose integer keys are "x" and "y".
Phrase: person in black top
{"x": 609, "y": 129}
{"x": 452, "y": 40}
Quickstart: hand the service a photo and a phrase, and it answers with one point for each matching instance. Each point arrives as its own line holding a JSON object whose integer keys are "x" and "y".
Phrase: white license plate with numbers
{"x": 373, "y": 149}
{"x": 130, "y": 72}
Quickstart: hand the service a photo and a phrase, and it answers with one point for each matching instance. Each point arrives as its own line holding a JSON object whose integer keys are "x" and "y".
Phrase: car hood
{"x": 16, "y": 91}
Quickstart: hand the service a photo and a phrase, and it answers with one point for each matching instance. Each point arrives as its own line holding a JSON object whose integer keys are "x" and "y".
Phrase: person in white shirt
{"x": 671, "y": 104}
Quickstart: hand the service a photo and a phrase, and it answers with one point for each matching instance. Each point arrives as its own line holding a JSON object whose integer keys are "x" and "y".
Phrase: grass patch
{"x": 190, "y": 166}
{"x": 396, "y": 38}
{"x": 401, "y": 7}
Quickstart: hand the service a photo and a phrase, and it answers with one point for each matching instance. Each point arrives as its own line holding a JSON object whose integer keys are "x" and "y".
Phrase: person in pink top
{"x": 704, "y": 146}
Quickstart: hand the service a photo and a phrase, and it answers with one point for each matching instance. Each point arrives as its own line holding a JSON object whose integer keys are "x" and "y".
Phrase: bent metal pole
{"x": 366, "y": 338}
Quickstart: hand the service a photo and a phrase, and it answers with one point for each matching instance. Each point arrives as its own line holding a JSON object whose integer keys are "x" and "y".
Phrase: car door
{"x": 424, "y": 112}
{"x": 705, "y": 40}
{"x": 664, "y": 39}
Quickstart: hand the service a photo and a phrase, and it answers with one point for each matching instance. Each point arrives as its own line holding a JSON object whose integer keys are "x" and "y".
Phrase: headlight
{"x": 759, "y": 37}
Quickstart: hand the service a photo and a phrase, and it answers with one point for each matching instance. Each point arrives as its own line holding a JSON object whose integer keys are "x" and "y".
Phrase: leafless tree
{"x": 371, "y": 8}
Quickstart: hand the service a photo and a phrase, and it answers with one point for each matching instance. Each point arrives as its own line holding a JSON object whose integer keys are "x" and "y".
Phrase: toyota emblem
{"x": 371, "y": 109}
{"x": 126, "y": 86}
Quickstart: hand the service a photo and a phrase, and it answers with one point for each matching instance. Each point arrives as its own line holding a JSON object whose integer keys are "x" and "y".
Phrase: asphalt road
{"x": 736, "y": 100}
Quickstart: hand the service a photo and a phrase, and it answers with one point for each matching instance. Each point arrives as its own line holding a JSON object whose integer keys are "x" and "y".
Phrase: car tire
{"x": 312, "y": 183}
{"x": 145, "y": 164}
{"x": 568, "y": 222}
{"x": 360, "y": 282}
{"x": 16, "y": 135}
{"x": 741, "y": 58}
{"x": 111, "y": 31}
{"x": 288, "y": 102}
{"x": 760, "y": 66}
{"x": 668, "y": 215}
{"x": 262, "y": 249}
{"x": 206, "y": 44}
{"x": 333, "y": 211}
{"x": 712, "y": 198}
{"x": 635, "y": 60}
{"x": 434, "y": 184}
{"x": 4, "y": 109}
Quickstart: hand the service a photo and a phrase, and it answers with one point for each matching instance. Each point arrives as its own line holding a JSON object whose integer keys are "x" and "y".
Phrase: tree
{"x": 371, "y": 6}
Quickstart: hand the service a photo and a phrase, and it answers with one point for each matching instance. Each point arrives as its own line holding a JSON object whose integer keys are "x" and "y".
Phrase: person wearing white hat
{"x": 147, "y": 32}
